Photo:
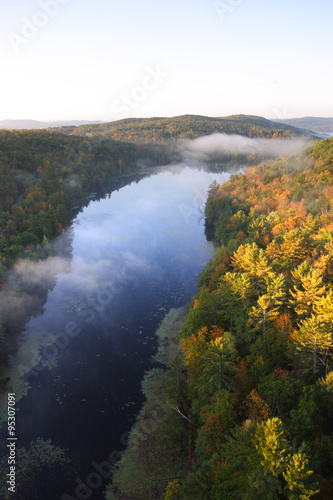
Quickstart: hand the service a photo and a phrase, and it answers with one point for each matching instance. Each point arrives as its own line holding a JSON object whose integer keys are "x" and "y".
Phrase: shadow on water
{"x": 83, "y": 324}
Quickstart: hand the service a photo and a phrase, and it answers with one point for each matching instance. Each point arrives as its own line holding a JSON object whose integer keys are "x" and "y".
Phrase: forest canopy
{"x": 252, "y": 385}
{"x": 162, "y": 130}
{"x": 250, "y": 388}
{"x": 43, "y": 175}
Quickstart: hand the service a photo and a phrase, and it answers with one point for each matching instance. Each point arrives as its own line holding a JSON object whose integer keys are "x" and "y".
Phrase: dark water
{"x": 135, "y": 254}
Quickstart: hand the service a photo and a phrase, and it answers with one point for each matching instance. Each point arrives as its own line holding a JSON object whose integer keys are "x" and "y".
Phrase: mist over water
{"x": 94, "y": 307}
{"x": 202, "y": 148}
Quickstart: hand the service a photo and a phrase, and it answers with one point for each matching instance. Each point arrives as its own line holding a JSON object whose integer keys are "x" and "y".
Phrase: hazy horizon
{"x": 96, "y": 121}
{"x": 104, "y": 61}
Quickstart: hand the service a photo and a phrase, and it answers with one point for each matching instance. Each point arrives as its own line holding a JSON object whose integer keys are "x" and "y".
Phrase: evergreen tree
{"x": 308, "y": 288}
{"x": 312, "y": 346}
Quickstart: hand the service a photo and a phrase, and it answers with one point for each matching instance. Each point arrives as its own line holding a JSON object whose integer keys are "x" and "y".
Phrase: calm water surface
{"x": 135, "y": 254}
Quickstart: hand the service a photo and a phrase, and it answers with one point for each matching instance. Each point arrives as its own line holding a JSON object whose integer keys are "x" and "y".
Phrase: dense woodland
{"x": 43, "y": 175}
{"x": 245, "y": 409}
{"x": 241, "y": 404}
{"x": 322, "y": 125}
{"x": 161, "y": 130}
{"x": 45, "y": 178}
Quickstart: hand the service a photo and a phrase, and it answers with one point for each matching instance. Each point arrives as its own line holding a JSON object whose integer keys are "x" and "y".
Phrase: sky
{"x": 109, "y": 59}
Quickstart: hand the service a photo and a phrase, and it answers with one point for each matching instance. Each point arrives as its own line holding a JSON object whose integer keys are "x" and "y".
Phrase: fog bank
{"x": 203, "y": 148}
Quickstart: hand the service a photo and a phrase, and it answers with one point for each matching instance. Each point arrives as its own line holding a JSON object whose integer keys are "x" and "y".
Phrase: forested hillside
{"x": 43, "y": 174}
{"x": 248, "y": 402}
{"x": 319, "y": 124}
{"x": 160, "y": 130}
{"x": 243, "y": 408}
{"x": 45, "y": 178}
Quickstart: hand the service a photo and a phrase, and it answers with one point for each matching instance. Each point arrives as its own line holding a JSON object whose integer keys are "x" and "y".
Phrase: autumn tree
{"x": 218, "y": 368}
{"x": 308, "y": 287}
{"x": 268, "y": 305}
{"x": 312, "y": 346}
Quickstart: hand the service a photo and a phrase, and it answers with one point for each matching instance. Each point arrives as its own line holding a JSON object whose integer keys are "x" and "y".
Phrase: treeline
{"x": 161, "y": 130}
{"x": 158, "y": 442}
{"x": 45, "y": 178}
{"x": 43, "y": 174}
{"x": 322, "y": 125}
{"x": 253, "y": 389}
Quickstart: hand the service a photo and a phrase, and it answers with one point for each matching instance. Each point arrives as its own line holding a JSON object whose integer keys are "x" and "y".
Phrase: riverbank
{"x": 134, "y": 255}
{"x": 49, "y": 179}
{"x": 257, "y": 342}
{"x": 157, "y": 444}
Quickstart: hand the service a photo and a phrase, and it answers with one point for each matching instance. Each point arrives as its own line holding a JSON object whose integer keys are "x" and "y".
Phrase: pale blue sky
{"x": 108, "y": 59}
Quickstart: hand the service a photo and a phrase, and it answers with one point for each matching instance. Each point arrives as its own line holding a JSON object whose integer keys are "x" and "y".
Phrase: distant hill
{"x": 33, "y": 124}
{"x": 161, "y": 130}
{"x": 312, "y": 123}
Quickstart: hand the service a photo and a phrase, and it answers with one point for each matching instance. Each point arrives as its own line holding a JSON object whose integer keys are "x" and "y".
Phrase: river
{"x": 135, "y": 254}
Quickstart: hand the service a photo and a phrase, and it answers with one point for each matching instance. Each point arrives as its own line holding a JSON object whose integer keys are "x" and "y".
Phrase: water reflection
{"x": 134, "y": 254}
